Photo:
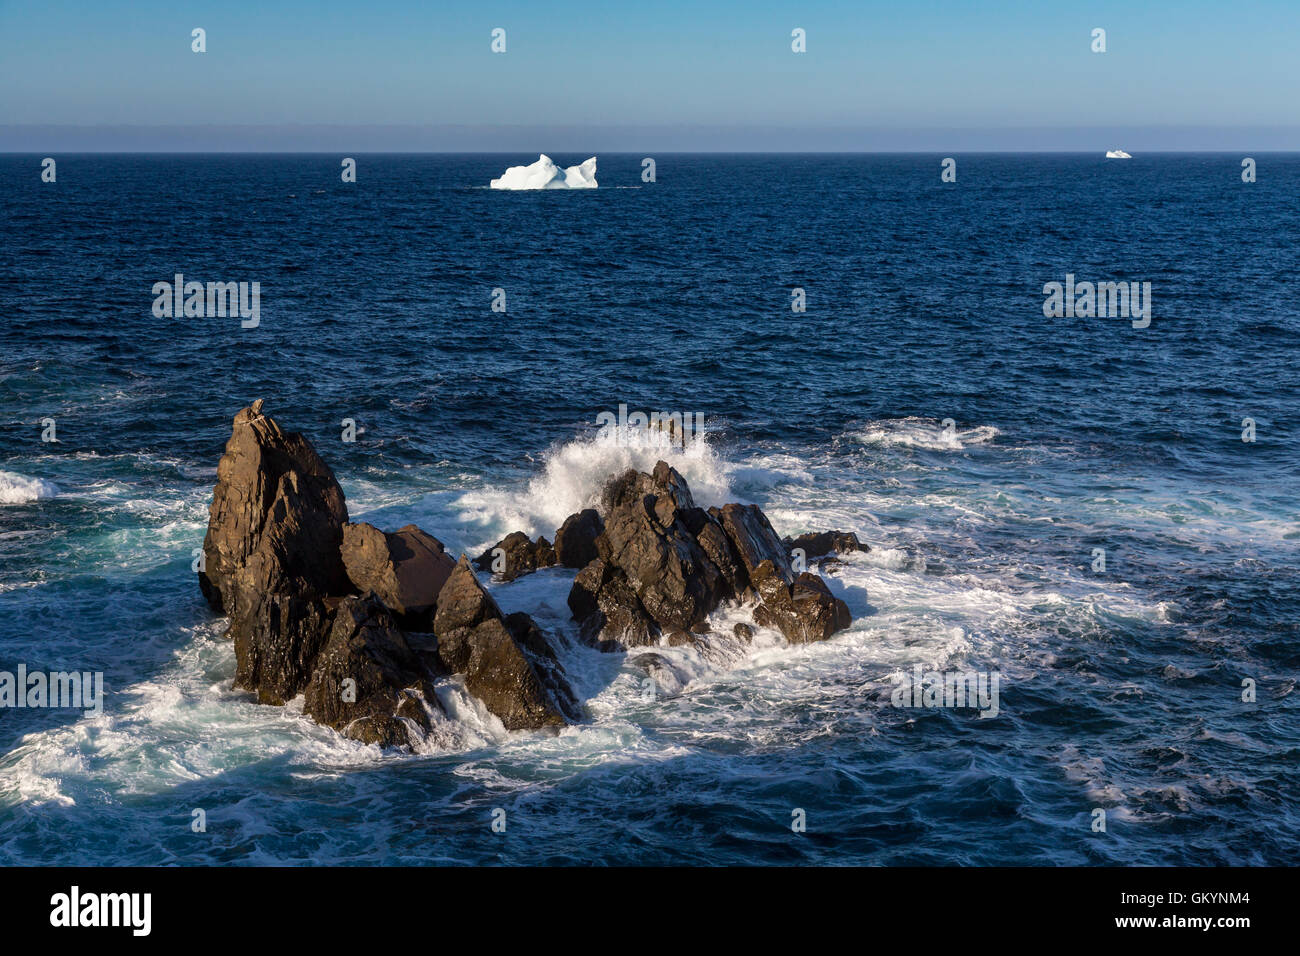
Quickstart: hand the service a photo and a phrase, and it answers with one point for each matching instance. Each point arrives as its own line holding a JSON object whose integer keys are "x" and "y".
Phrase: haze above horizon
{"x": 395, "y": 75}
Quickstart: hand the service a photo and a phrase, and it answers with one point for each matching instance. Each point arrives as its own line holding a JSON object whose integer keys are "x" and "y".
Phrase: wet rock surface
{"x": 515, "y": 555}
{"x": 357, "y": 619}
{"x": 361, "y": 621}
{"x": 664, "y": 565}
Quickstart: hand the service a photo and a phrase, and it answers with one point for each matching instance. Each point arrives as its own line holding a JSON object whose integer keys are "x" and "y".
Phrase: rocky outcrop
{"x": 753, "y": 541}
{"x": 664, "y": 564}
{"x": 817, "y": 544}
{"x": 507, "y": 663}
{"x": 340, "y": 612}
{"x": 515, "y": 555}
{"x": 575, "y": 542}
{"x": 608, "y": 609}
{"x": 647, "y": 539}
{"x": 804, "y": 611}
{"x": 405, "y": 569}
{"x": 361, "y": 621}
{"x": 276, "y": 519}
{"x": 368, "y": 683}
{"x": 271, "y": 557}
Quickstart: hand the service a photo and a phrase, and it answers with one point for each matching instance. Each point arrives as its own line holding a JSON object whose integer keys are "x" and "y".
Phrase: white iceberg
{"x": 544, "y": 174}
{"x": 1117, "y": 154}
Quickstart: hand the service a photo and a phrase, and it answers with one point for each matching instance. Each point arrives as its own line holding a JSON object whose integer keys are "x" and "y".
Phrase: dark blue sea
{"x": 987, "y": 453}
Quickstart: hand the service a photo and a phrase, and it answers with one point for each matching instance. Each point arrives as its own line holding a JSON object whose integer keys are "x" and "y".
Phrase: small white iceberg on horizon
{"x": 544, "y": 174}
{"x": 1117, "y": 154}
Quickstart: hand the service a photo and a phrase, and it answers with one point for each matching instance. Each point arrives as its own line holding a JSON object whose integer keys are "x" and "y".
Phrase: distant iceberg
{"x": 1117, "y": 154}
{"x": 544, "y": 174}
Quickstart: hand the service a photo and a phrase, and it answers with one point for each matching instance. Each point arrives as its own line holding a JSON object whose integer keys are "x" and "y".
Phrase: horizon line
{"x": 625, "y": 152}
{"x": 376, "y": 139}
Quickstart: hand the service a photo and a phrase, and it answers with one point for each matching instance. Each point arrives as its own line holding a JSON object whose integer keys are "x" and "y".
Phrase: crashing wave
{"x": 575, "y": 473}
{"x": 926, "y": 434}
{"x": 19, "y": 489}
{"x": 544, "y": 174}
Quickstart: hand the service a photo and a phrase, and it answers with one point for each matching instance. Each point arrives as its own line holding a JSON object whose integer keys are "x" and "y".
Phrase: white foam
{"x": 924, "y": 433}
{"x": 575, "y": 473}
{"x": 18, "y": 489}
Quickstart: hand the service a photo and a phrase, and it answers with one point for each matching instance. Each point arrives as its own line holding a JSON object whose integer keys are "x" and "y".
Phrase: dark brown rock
{"x": 405, "y": 569}
{"x": 803, "y": 612}
{"x": 263, "y": 465}
{"x": 463, "y": 605}
{"x": 821, "y": 613}
{"x": 518, "y": 556}
{"x": 277, "y": 638}
{"x": 546, "y": 664}
{"x": 515, "y": 680}
{"x": 664, "y": 564}
{"x": 387, "y": 703}
{"x": 575, "y": 542}
{"x": 674, "y": 579}
{"x": 271, "y": 554}
{"x": 816, "y": 544}
{"x": 717, "y": 546}
{"x": 664, "y": 482}
{"x": 610, "y": 613}
{"x": 275, "y": 563}
{"x": 753, "y": 539}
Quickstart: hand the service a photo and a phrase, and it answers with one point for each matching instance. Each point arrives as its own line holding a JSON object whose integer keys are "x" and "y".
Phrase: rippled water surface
{"x": 1120, "y": 689}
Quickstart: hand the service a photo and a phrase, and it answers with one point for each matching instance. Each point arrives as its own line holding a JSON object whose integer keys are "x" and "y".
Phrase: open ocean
{"x": 1121, "y": 689}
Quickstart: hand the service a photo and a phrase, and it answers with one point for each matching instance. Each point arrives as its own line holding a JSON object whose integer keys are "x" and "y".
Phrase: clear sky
{"x": 719, "y": 69}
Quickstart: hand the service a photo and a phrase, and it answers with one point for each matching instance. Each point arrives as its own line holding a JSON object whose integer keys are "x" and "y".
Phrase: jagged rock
{"x": 546, "y": 664}
{"x": 744, "y": 632}
{"x": 275, "y": 563}
{"x": 804, "y": 612}
{"x": 271, "y": 553}
{"x": 463, "y": 605}
{"x": 753, "y": 539}
{"x": 674, "y": 579}
{"x": 664, "y": 564}
{"x": 663, "y": 482}
{"x": 277, "y": 638}
{"x": 405, "y": 569}
{"x": 717, "y": 545}
{"x": 262, "y": 467}
{"x": 387, "y": 704}
{"x": 815, "y": 544}
{"x": 610, "y": 613}
{"x": 575, "y": 542}
{"x": 520, "y": 556}
{"x": 523, "y": 687}
{"x": 821, "y": 612}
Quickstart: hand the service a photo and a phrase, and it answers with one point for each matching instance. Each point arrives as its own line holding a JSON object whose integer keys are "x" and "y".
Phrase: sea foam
{"x": 576, "y": 472}
{"x": 18, "y": 489}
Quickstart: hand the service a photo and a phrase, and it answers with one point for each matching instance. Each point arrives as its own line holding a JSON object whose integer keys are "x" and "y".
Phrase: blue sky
{"x": 716, "y": 68}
